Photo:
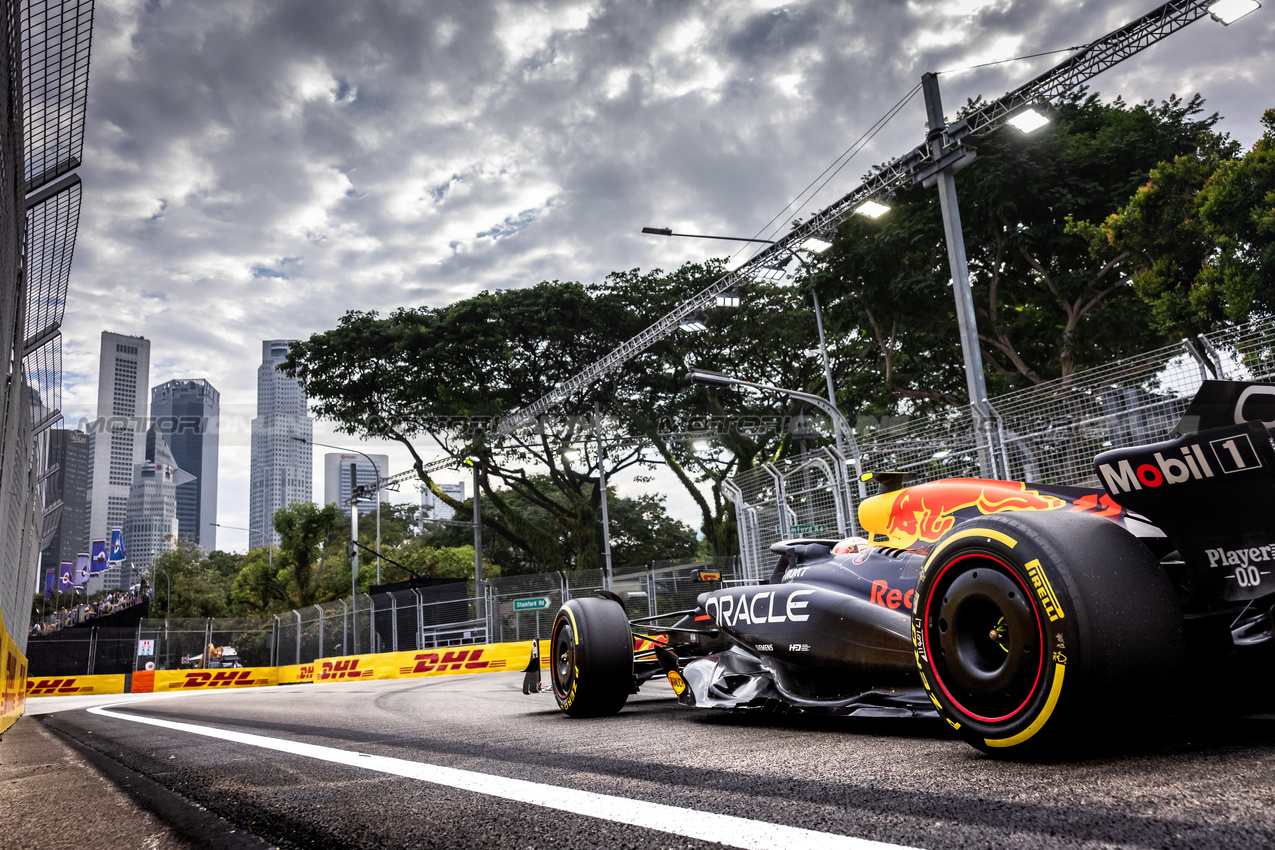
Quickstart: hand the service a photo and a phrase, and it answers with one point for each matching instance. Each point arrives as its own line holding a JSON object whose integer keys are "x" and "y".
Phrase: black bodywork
{"x": 830, "y": 630}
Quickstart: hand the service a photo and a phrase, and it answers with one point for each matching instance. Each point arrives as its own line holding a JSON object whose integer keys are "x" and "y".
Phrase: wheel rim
{"x": 563, "y": 662}
{"x": 984, "y": 638}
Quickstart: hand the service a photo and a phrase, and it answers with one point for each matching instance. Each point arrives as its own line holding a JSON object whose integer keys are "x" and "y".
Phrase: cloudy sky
{"x": 254, "y": 169}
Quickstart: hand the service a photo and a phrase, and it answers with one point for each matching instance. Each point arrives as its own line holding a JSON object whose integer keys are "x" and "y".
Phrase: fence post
{"x": 345, "y": 628}
{"x": 393, "y": 623}
{"x": 420, "y": 619}
{"x": 651, "y": 607}
{"x": 320, "y": 610}
{"x": 274, "y": 643}
{"x": 137, "y": 645}
{"x": 298, "y": 613}
{"x": 204, "y": 656}
{"x": 92, "y": 650}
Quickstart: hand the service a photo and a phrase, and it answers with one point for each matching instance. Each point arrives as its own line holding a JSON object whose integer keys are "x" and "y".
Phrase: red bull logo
{"x": 924, "y": 513}
{"x": 336, "y": 671}
{"x": 453, "y": 661}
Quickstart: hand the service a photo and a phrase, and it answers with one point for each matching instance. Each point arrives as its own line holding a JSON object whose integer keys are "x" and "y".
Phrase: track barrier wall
{"x": 487, "y": 658}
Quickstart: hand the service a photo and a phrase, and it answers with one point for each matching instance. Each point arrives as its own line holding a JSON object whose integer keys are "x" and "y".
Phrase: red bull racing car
{"x": 1025, "y": 615}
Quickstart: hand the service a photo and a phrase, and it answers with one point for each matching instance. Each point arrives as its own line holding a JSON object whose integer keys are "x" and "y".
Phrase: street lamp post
{"x": 353, "y": 505}
{"x": 716, "y": 379}
{"x": 823, "y": 347}
{"x": 168, "y": 584}
{"x": 269, "y": 543}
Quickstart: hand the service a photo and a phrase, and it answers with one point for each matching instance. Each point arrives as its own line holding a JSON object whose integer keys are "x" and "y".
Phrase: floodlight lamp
{"x": 812, "y": 352}
{"x": 872, "y": 209}
{"x": 658, "y": 231}
{"x": 815, "y": 245}
{"x": 730, "y": 298}
{"x": 772, "y": 273}
{"x": 1028, "y": 121}
{"x": 693, "y": 326}
{"x": 1227, "y": 12}
{"x": 571, "y": 454}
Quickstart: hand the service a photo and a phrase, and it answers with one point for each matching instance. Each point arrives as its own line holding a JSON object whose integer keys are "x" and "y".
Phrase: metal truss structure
{"x": 916, "y": 166}
{"x": 46, "y": 52}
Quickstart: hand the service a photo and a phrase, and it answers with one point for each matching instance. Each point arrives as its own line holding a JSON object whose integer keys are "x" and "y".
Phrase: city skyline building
{"x": 434, "y": 508}
{"x": 336, "y": 479}
{"x": 152, "y": 526}
{"x": 117, "y": 439}
{"x": 186, "y": 413}
{"x": 67, "y": 496}
{"x": 281, "y": 472}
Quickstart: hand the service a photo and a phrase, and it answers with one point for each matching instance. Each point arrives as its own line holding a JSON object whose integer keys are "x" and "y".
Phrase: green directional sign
{"x": 531, "y": 603}
{"x": 805, "y": 529}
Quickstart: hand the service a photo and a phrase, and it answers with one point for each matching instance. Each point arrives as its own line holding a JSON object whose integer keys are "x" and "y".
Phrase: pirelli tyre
{"x": 1036, "y": 631}
{"x": 592, "y": 661}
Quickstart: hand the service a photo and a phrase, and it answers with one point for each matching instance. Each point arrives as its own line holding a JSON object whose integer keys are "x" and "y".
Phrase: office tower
{"x": 336, "y": 479}
{"x": 117, "y": 440}
{"x": 186, "y": 414}
{"x": 434, "y": 508}
{"x": 280, "y": 473}
{"x": 67, "y": 503}
{"x": 152, "y": 526}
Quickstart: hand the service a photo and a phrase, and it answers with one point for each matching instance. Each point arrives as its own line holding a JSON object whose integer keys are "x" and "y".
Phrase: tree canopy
{"x": 1067, "y": 272}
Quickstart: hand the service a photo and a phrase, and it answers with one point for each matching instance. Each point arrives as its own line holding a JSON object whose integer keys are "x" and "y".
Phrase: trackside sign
{"x": 531, "y": 603}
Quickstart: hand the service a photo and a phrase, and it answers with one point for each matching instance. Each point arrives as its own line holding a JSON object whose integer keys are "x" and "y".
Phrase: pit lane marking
{"x": 691, "y": 823}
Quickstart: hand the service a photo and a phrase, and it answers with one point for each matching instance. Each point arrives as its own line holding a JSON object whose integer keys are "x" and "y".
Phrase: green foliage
{"x": 200, "y": 582}
{"x": 436, "y": 374}
{"x": 302, "y": 528}
{"x": 1050, "y": 298}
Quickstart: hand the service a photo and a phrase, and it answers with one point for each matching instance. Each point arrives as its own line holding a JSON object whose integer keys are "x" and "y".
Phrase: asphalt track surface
{"x": 901, "y": 782}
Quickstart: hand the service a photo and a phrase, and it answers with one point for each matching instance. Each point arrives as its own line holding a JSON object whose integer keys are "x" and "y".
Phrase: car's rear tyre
{"x": 1037, "y": 630}
{"x": 591, "y": 664}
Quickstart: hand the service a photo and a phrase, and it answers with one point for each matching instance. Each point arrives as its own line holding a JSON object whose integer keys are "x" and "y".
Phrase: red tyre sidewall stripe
{"x": 1040, "y": 630}
{"x": 553, "y": 659}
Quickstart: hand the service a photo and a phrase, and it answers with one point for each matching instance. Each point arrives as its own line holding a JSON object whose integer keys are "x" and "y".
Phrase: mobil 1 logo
{"x": 1235, "y": 454}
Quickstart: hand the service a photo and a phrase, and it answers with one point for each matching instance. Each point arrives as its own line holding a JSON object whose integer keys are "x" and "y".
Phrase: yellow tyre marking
{"x": 969, "y": 532}
{"x": 574, "y": 628}
{"x": 1041, "y": 720}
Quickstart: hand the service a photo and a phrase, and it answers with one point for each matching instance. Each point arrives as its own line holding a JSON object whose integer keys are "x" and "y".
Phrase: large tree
{"x": 1047, "y": 304}
{"x": 1200, "y": 236}
{"x": 439, "y": 375}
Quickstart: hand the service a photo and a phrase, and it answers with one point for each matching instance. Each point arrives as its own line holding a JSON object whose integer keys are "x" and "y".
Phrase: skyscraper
{"x": 68, "y": 491}
{"x": 280, "y": 473}
{"x": 186, "y": 415}
{"x": 152, "y": 525}
{"x": 336, "y": 479}
{"x": 117, "y": 440}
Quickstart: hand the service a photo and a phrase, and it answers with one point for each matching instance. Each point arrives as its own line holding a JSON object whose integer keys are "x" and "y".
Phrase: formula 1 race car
{"x": 1026, "y": 615}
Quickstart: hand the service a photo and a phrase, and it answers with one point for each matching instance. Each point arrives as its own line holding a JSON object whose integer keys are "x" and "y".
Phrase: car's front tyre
{"x": 591, "y": 664}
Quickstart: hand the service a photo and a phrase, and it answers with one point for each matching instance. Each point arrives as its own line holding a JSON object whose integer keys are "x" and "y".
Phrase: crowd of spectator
{"x": 112, "y": 602}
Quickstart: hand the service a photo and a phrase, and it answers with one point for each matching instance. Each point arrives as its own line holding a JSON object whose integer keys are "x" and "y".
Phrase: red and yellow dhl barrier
{"x": 296, "y": 674}
{"x": 446, "y": 661}
{"x": 71, "y": 686}
{"x": 212, "y": 680}
{"x": 13, "y": 685}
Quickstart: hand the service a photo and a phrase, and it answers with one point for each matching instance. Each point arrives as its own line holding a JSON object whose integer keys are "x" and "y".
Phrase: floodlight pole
{"x": 959, "y": 264}
{"x": 602, "y": 482}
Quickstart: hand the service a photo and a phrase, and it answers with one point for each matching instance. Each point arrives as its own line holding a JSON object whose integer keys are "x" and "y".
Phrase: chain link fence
{"x": 511, "y": 608}
{"x": 1047, "y": 434}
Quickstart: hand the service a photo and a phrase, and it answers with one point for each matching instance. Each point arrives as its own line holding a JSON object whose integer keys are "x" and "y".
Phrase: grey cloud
{"x": 426, "y": 162}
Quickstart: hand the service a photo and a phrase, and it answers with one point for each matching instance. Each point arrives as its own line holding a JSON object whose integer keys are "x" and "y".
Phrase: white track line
{"x": 691, "y": 823}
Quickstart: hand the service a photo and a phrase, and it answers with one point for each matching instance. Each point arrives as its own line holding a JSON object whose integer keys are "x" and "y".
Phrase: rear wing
{"x": 1212, "y": 489}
